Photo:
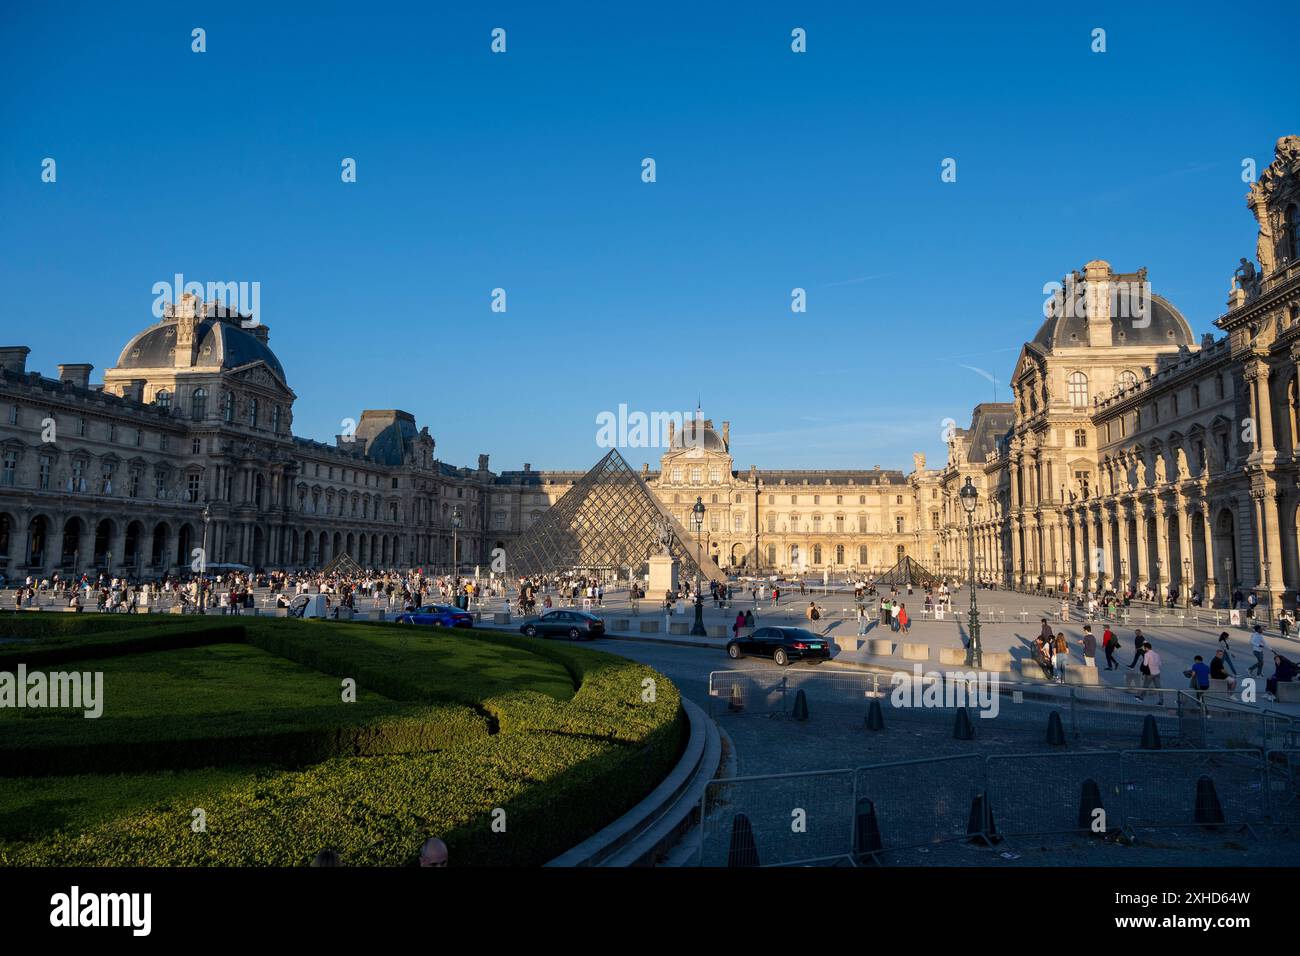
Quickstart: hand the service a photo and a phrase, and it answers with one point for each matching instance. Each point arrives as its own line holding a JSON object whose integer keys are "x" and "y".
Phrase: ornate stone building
{"x": 1137, "y": 457}
{"x": 189, "y": 438}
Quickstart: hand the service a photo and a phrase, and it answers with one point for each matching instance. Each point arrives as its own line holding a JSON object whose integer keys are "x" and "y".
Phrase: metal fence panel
{"x": 1163, "y": 788}
{"x": 922, "y": 802}
{"x": 795, "y": 819}
{"x": 1043, "y": 792}
{"x": 1284, "y": 786}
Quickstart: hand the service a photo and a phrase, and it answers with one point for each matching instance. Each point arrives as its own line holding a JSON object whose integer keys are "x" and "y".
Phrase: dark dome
{"x": 221, "y": 344}
{"x": 699, "y": 434}
{"x": 1166, "y": 327}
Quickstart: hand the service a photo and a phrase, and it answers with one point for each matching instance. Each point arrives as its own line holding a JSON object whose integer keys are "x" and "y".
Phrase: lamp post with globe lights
{"x": 969, "y": 497}
{"x": 697, "y": 518}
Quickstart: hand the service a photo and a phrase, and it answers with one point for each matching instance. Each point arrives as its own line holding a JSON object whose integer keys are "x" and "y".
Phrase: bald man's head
{"x": 433, "y": 853}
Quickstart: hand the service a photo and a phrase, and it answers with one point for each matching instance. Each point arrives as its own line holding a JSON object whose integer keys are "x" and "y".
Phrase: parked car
{"x": 437, "y": 615}
{"x": 575, "y": 625}
{"x": 782, "y": 644}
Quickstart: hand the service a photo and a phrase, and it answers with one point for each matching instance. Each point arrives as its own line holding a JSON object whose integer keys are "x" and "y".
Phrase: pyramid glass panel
{"x": 609, "y": 521}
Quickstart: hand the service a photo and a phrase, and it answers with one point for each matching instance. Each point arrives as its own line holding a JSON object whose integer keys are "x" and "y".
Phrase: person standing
{"x": 1060, "y": 656}
{"x": 904, "y": 621}
{"x": 1089, "y": 645}
{"x": 862, "y": 620}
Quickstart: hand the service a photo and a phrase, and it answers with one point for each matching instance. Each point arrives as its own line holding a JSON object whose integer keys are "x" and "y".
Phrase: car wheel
{"x": 780, "y": 657}
{"x": 573, "y": 634}
{"x": 530, "y": 631}
{"x": 733, "y": 651}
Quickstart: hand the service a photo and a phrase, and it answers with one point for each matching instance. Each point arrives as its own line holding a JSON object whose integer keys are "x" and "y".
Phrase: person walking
{"x": 739, "y": 623}
{"x": 1227, "y": 654}
{"x": 1257, "y": 647}
{"x": 862, "y": 620}
{"x": 1110, "y": 644}
{"x": 1150, "y": 670}
{"x": 1138, "y": 643}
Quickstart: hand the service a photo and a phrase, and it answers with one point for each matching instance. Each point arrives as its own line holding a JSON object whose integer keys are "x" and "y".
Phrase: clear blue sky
{"x": 522, "y": 171}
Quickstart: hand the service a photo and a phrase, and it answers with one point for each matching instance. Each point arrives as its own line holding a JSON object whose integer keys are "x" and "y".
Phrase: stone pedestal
{"x": 663, "y": 576}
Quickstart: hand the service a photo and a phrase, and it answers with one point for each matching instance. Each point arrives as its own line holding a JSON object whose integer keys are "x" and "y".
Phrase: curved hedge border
{"x": 559, "y": 769}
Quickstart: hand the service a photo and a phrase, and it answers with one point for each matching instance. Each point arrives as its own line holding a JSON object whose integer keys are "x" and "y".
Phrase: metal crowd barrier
{"x": 863, "y": 814}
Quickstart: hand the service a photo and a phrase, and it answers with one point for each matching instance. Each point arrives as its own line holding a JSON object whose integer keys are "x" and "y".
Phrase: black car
{"x": 782, "y": 644}
{"x": 575, "y": 625}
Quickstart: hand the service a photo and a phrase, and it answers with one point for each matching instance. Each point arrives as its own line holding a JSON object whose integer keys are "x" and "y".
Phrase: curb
{"x": 637, "y": 835}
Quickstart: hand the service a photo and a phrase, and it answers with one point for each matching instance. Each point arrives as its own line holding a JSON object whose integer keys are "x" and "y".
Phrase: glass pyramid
{"x": 609, "y": 521}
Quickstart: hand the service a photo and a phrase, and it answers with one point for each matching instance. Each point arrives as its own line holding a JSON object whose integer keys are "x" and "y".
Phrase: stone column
{"x": 1143, "y": 570}
{"x": 1162, "y": 548}
{"x": 1211, "y": 572}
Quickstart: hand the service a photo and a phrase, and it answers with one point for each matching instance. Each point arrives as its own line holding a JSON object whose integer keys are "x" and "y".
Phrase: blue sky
{"x": 522, "y": 171}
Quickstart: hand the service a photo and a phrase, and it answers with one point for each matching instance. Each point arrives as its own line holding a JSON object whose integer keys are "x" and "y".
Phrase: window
{"x": 738, "y": 522}
{"x": 106, "y": 480}
{"x": 139, "y": 437}
{"x": 9, "y": 476}
{"x": 677, "y": 474}
{"x": 459, "y": 491}
{"x": 898, "y": 499}
{"x": 1218, "y": 386}
{"x": 862, "y": 554}
{"x": 133, "y": 483}
{"x": 862, "y": 524}
{"x": 794, "y": 499}
{"x": 112, "y": 431}
{"x": 771, "y": 555}
{"x": 160, "y": 484}
{"x": 1078, "y": 389}
{"x": 164, "y": 442}
{"x": 771, "y": 499}
{"x": 715, "y": 474}
{"x": 697, "y": 475}
{"x": 163, "y": 398}
{"x": 817, "y": 499}
{"x": 862, "y": 499}
{"x": 199, "y": 404}
{"x": 1196, "y": 396}
{"x": 934, "y": 520}
{"x": 275, "y": 420}
{"x": 839, "y": 524}
{"x": 81, "y": 428}
{"x": 713, "y": 499}
{"x": 43, "y": 476}
{"x": 228, "y": 407}
{"x": 839, "y": 499}
{"x": 817, "y": 554}
{"x": 196, "y": 446}
{"x": 771, "y": 524}
{"x": 794, "y": 522}
{"x": 817, "y": 524}
{"x": 252, "y": 412}
{"x": 839, "y": 554}
{"x": 13, "y": 414}
{"x": 898, "y": 524}
{"x": 1081, "y": 438}
{"x": 78, "y": 480}
{"x": 192, "y": 487}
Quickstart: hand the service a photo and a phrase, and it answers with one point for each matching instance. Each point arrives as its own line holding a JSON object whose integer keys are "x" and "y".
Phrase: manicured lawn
{"x": 245, "y": 720}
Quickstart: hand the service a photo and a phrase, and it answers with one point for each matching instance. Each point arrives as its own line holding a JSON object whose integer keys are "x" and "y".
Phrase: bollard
{"x": 800, "y": 711}
{"x": 866, "y": 830}
{"x": 962, "y": 728}
{"x": 1055, "y": 730}
{"x": 1150, "y": 733}
{"x": 875, "y": 716}
{"x": 743, "y": 851}
{"x": 1089, "y": 803}
{"x": 1208, "y": 808}
{"x": 980, "y": 827}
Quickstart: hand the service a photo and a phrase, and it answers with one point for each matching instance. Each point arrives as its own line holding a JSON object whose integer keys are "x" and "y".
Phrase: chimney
{"x": 134, "y": 390}
{"x": 78, "y": 375}
{"x": 527, "y": 468}
{"x": 672, "y": 432}
{"x": 13, "y": 358}
{"x": 726, "y": 435}
{"x": 1097, "y": 302}
{"x": 482, "y": 462}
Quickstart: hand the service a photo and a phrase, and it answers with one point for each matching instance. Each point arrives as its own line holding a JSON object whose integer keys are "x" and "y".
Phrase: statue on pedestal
{"x": 1246, "y": 278}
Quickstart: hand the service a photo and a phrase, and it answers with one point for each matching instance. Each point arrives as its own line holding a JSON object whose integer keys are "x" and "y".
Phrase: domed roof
{"x": 1154, "y": 322}
{"x": 699, "y": 433}
{"x": 221, "y": 343}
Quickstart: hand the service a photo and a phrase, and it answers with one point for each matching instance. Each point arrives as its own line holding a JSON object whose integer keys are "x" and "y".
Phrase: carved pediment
{"x": 260, "y": 376}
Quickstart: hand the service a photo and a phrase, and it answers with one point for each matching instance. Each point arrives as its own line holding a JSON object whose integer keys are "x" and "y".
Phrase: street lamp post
{"x": 455, "y": 545}
{"x": 698, "y": 517}
{"x": 201, "y": 599}
{"x": 1187, "y": 574}
{"x": 969, "y": 496}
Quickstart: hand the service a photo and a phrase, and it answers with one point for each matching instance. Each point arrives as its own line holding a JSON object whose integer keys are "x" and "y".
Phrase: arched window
{"x": 163, "y": 398}
{"x": 1078, "y": 387}
{"x": 1127, "y": 379}
{"x": 199, "y": 404}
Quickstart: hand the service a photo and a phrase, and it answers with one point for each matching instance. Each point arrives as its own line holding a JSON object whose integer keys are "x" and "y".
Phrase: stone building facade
{"x": 187, "y": 445}
{"x": 1134, "y": 456}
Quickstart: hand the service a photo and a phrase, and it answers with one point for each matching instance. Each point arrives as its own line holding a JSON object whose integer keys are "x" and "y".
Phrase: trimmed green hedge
{"x": 143, "y": 635}
{"x": 560, "y": 769}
